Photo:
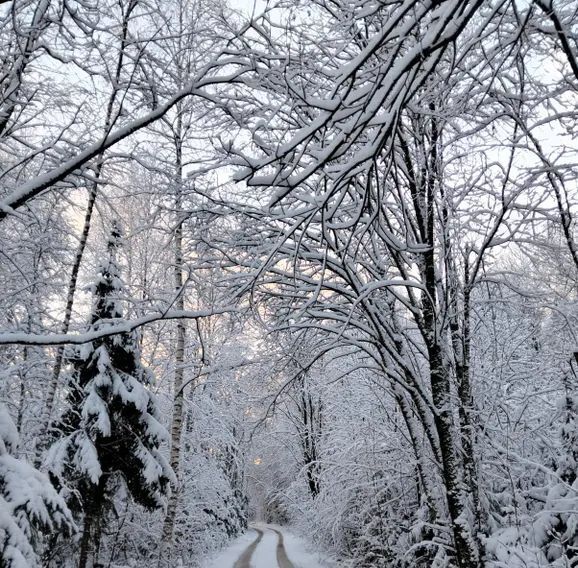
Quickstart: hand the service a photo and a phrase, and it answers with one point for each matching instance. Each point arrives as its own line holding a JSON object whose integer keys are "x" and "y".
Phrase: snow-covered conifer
{"x": 28, "y": 503}
{"x": 110, "y": 432}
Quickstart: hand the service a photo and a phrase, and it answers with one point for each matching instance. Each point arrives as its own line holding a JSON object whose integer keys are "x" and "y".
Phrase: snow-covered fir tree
{"x": 29, "y": 504}
{"x": 110, "y": 434}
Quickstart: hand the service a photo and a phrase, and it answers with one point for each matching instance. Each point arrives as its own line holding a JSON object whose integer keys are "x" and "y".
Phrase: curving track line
{"x": 245, "y": 558}
{"x": 282, "y": 558}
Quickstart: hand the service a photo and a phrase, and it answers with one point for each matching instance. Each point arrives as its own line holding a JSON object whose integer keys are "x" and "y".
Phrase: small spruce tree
{"x": 110, "y": 432}
{"x": 29, "y": 504}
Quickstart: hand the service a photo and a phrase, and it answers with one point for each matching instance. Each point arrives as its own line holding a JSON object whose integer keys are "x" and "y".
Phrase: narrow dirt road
{"x": 283, "y": 561}
{"x": 245, "y": 558}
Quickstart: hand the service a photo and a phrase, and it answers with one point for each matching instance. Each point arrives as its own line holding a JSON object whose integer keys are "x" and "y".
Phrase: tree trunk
{"x": 467, "y": 554}
{"x": 57, "y": 368}
{"x": 92, "y": 530}
{"x": 310, "y": 430}
{"x": 53, "y": 385}
{"x": 467, "y": 425}
{"x": 177, "y": 422}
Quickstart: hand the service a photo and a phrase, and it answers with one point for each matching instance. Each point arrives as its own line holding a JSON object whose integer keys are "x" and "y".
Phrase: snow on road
{"x": 270, "y": 551}
{"x": 265, "y": 556}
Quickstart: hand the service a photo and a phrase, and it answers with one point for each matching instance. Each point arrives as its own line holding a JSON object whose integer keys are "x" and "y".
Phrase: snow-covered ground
{"x": 301, "y": 556}
{"x": 265, "y": 554}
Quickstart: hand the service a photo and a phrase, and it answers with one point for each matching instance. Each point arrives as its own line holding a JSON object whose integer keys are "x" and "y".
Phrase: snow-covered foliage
{"x": 111, "y": 431}
{"x": 113, "y": 413}
{"x": 348, "y": 288}
{"x": 29, "y": 505}
{"x": 213, "y": 505}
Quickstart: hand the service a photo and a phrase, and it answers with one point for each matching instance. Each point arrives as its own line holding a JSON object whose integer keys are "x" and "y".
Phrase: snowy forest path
{"x": 245, "y": 558}
{"x": 282, "y": 558}
{"x": 283, "y": 561}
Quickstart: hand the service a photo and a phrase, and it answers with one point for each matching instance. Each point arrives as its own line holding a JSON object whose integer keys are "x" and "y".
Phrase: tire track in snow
{"x": 245, "y": 558}
{"x": 282, "y": 558}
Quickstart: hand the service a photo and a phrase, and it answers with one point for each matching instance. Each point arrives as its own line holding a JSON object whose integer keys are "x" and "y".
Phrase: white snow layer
{"x": 265, "y": 555}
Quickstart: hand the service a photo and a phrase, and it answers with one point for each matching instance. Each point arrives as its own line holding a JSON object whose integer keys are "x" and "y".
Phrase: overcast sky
{"x": 247, "y": 5}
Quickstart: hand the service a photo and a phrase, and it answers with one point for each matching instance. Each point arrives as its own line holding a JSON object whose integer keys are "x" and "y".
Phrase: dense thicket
{"x": 346, "y": 293}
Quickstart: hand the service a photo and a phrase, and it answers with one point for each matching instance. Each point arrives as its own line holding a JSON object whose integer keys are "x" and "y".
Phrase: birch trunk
{"x": 72, "y": 285}
{"x": 177, "y": 420}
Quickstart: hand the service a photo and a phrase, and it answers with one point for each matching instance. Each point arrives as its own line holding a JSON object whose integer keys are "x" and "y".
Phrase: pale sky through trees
{"x": 288, "y": 284}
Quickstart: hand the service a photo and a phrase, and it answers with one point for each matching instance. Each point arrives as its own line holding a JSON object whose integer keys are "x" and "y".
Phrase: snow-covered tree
{"x": 110, "y": 433}
{"x": 29, "y": 504}
{"x": 555, "y": 528}
{"x": 407, "y": 212}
